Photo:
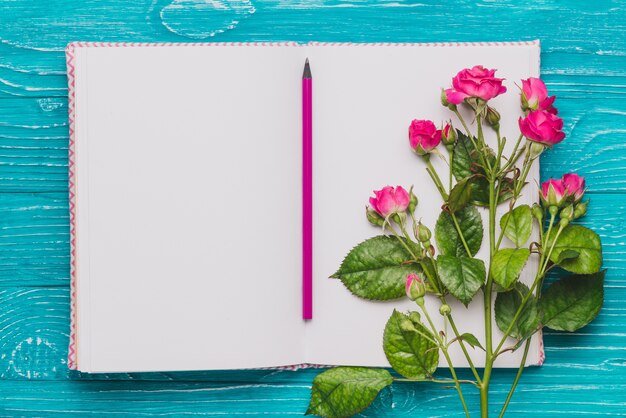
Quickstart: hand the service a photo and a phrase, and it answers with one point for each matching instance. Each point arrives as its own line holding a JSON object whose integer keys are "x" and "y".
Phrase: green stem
{"x": 458, "y": 115}
{"x": 436, "y": 179}
{"x": 489, "y": 358}
{"x": 444, "y": 350}
{"x": 458, "y": 231}
{"x": 451, "y": 175}
{"x": 517, "y": 377}
{"x": 458, "y": 337}
{"x": 481, "y": 142}
{"x": 514, "y": 155}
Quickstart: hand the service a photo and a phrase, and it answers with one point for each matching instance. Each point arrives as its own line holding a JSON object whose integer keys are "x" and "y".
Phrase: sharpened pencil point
{"x": 307, "y": 70}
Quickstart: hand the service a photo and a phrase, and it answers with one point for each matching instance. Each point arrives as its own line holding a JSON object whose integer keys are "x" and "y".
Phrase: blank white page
{"x": 365, "y": 97}
{"x": 188, "y": 173}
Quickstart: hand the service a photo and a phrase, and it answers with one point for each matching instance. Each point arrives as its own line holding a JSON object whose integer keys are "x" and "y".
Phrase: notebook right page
{"x": 365, "y": 97}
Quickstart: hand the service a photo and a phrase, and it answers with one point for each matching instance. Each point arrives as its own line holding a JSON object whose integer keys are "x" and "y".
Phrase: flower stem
{"x": 433, "y": 174}
{"x": 458, "y": 115}
{"x": 444, "y": 350}
{"x": 458, "y": 230}
{"x": 462, "y": 344}
{"x": 489, "y": 358}
{"x": 517, "y": 377}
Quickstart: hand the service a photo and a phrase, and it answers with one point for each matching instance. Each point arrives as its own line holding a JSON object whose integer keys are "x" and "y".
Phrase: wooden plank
{"x": 34, "y": 239}
{"x": 141, "y": 398}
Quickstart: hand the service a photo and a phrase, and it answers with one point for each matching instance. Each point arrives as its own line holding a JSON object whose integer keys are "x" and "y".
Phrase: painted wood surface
{"x": 583, "y": 62}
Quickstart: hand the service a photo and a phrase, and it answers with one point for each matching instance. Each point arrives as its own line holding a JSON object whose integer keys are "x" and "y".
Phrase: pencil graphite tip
{"x": 307, "y": 70}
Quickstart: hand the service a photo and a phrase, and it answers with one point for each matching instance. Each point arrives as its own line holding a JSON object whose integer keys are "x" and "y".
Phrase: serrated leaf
{"x": 466, "y": 160}
{"x": 446, "y": 236}
{"x": 463, "y": 159}
{"x": 471, "y": 340}
{"x": 507, "y": 265}
{"x": 507, "y": 304}
{"x": 376, "y": 269}
{"x": 518, "y": 224}
{"x": 409, "y": 346}
{"x": 573, "y": 302}
{"x": 460, "y": 195}
{"x": 345, "y": 391}
{"x": 582, "y": 240}
{"x": 462, "y": 276}
{"x": 480, "y": 191}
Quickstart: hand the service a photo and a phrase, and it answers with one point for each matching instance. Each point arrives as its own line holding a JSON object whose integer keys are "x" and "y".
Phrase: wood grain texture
{"x": 583, "y": 62}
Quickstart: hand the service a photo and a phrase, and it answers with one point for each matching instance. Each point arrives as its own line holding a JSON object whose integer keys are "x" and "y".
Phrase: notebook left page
{"x": 187, "y": 233}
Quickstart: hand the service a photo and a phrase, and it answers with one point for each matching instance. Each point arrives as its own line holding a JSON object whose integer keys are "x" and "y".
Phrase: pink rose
{"x": 390, "y": 200}
{"x": 414, "y": 286}
{"x": 553, "y": 192}
{"x": 423, "y": 136}
{"x": 542, "y": 126}
{"x": 574, "y": 186}
{"x": 475, "y": 82}
{"x": 535, "y": 96}
{"x": 448, "y": 134}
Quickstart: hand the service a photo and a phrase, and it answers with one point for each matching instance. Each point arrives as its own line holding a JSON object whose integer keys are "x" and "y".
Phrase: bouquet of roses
{"x": 405, "y": 262}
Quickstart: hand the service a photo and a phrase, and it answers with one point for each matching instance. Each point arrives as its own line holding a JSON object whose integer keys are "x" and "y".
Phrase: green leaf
{"x": 471, "y": 340}
{"x": 573, "y": 302}
{"x": 376, "y": 269}
{"x": 582, "y": 240}
{"x": 507, "y": 264}
{"x": 346, "y": 391}
{"x": 462, "y": 276}
{"x": 409, "y": 346}
{"x": 518, "y": 224}
{"x": 567, "y": 255}
{"x": 506, "y": 306}
{"x": 448, "y": 240}
{"x": 480, "y": 191}
{"x": 464, "y": 156}
{"x": 460, "y": 195}
{"x": 466, "y": 160}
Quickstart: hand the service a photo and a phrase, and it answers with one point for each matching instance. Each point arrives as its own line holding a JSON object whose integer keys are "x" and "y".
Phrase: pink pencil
{"x": 307, "y": 193}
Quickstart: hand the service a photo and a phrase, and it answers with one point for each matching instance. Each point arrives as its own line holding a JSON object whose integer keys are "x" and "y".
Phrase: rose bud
{"x": 390, "y": 200}
{"x": 423, "y": 136}
{"x": 537, "y": 212}
{"x": 445, "y": 309}
{"x": 580, "y": 209}
{"x": 448, "y": 134}
{"x": 567, "y": 212}
{"x": 543, "y": 127}
{"x": 553, "y": 193}
{"x": 412, "y": 201}
{"x": 535, "y": 96}
{"x": 373, "y": 217}
{"x": 493, "y": 118}
{"x": 445, "y": 102}
{"x": 477, "y": 82}
{"x": 574, "y": 186}
{"x": 415, "y": 287}
{"x": 423, "y": 233}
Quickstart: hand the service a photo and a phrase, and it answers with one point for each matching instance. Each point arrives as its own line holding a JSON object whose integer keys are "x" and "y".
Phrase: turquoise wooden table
{"x": 583, "y": 63}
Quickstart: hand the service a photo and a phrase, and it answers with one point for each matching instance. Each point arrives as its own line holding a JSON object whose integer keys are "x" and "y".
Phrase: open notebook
{"x": 185, "y": 189}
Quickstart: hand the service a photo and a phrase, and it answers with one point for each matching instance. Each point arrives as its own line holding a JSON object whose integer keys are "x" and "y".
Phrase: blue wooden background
{"x": 583, "y": 62}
